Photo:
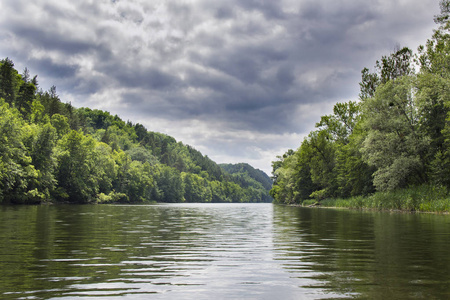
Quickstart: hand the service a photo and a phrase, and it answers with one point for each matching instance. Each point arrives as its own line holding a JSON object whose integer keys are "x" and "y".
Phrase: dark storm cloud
{"x": 148, "y": 78}
{"x": 53, "y": 69}
{"x": 285, "y": 75}
{"x": 258, "y": 73}
{"x": 51, "y": 40}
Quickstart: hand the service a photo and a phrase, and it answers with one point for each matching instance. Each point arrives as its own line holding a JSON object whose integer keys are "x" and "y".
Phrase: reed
{"x": 424, "y": 198}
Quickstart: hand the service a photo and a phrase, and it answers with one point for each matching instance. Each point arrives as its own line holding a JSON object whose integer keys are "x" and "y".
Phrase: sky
{"x": 238, "y": 80}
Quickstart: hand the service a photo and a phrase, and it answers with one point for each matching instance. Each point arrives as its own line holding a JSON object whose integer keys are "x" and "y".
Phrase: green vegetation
{"x": 53, "y": 152}
{"x": 253, "y": 179}
{"x": 391, "y": 149}
{"x": 424, "y": 198}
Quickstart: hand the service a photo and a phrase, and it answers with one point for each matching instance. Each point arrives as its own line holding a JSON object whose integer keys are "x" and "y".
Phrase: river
{"x": 221, "y": 251}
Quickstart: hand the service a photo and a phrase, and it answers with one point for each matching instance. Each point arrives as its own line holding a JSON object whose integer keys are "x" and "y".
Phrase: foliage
{"x": 254, "y": 180}
{"x": 423, "y": 198}
{"x": 389, "y": 149}
{"x": 395, "y": 143}
{"x": 17, "y": 174}
{"x": 51, "y": 151}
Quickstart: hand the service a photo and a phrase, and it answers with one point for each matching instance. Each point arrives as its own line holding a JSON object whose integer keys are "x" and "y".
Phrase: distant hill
{"x": 247, "y": 176}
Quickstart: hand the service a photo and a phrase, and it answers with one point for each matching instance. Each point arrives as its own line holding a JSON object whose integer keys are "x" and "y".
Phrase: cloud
{"x": 249, "y": 77}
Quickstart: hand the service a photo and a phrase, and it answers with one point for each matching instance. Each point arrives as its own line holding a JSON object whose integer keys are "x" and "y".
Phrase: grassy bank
{"x": 420, "y": 198}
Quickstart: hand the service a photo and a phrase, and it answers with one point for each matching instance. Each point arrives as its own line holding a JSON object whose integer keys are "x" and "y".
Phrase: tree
{"x": 140, "y": 182}
{"x": 77, "y": 172}
{"x": 170, "y": 184}
{"x": 396, "y": 65}
{"x": 8, "y": 81}
{"x": 340, "y": 125}
{"x": 390, "y": 67}
{"x": 42, "y": 157}
{"x": 142, "y": 154}
{"x": 353, "y": 174}
{"x": 25, "y": 97}
{"x": 196, "y": 188}
{"x": 17, "y": 174}
{"x": 284, "y": 189}
{"x": 106, "y": 168}
{"x": 368, "y": 84}
{"x": 444, "y": 17}
{"x": 395, "y": 145}
{"x": 61, "y": 124}
{"x": 321, "y": 151}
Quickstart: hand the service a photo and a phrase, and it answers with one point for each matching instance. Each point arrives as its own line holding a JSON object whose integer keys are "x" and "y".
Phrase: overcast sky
{"x": 239, "y": 80}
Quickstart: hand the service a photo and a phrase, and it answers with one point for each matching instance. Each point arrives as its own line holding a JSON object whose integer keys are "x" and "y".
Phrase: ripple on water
{"x": 207, "y": 251}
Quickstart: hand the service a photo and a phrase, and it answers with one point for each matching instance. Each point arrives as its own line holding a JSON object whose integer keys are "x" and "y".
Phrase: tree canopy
{"x": 395, "y": 136}
{"x": 51, "y": 151}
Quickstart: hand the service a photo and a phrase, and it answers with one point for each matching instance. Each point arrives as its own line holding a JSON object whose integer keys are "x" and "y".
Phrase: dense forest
{"x": 51, "y": 151}
{"x": 247, "y": 176}
{"x": 396, "y": 136}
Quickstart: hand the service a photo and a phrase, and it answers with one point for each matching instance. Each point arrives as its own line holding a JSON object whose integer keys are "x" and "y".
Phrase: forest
{"x": 391, "y": 148}
{"x": 52, "y": 152}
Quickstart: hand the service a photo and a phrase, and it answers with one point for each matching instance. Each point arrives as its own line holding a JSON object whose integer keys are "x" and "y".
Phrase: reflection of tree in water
{"x": 19, "y": 243}
{"x": 372, "y": 255}
{"x": 58, "y": 251}
{"x": 63, "y": 248}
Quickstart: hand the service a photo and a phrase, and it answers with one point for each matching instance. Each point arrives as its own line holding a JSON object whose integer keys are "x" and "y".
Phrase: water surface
{"x": 221, "y": 251}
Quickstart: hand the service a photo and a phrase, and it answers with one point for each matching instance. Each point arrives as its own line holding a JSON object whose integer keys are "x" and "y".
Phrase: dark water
{"x": 221, "y": 251}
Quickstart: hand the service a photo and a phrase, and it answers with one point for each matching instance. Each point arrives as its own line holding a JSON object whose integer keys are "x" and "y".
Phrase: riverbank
{"x": 420, "y": 198}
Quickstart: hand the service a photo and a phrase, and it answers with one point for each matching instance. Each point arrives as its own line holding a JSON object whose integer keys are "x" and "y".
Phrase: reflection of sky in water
{"x": 214, "y": 251}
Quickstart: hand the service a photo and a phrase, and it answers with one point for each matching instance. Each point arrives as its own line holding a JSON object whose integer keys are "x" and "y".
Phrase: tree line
{"x": 51, "y": 151}
{"x": 249, "y": 177}
{"x": 396, "y": 136}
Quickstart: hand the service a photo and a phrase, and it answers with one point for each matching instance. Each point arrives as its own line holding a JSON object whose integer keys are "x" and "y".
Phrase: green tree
{"x": 140, "y": 182}
{"x": 106, "y": 168}
{"x": 171, "y": 185}
{"x": 17, "y": 174}
{"x": 9, "y": 81}
{"x": 61, "y": 124}
{"x": 340, "y": 125}
{"x": 354, "y": 175}
{"x": 395, "y": 145}
{"x": 433, "y": 96}
{"x": 26, "y": 94}
{"x": 77, "y": 173}
{"x": 142, "y": 154}
{"x": 321, "y": 154}
{"x": 285, "y": 186}
{"x": 196, "y": 188}
{"x": 43, "y": 159}
{"x": 396, "y": 65}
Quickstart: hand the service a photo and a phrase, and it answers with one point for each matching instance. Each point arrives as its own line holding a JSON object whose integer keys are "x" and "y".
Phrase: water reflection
{"x": 367, "y": 255}
{"x": 223, "y": 251}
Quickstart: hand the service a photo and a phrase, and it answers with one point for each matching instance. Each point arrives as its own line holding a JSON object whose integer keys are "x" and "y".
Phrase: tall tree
{"x": 43, "y": 159}
{"x": 395, "y": 145}
{"x": 8, "y": 81}
{"x": 390, "y": 67}
{"x": 77, "y": 172}
{"x": 17, "y": 174}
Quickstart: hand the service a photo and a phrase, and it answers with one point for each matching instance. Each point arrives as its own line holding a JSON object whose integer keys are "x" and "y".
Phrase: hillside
{"x": 51, "y": 151}
{"x": 244, "y": 168}
{"x": 247, "y": 176}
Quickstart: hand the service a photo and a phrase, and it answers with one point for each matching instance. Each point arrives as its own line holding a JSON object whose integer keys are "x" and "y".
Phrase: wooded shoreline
{"x": 51, "y": 151}
{"x": 388, "y": 150}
